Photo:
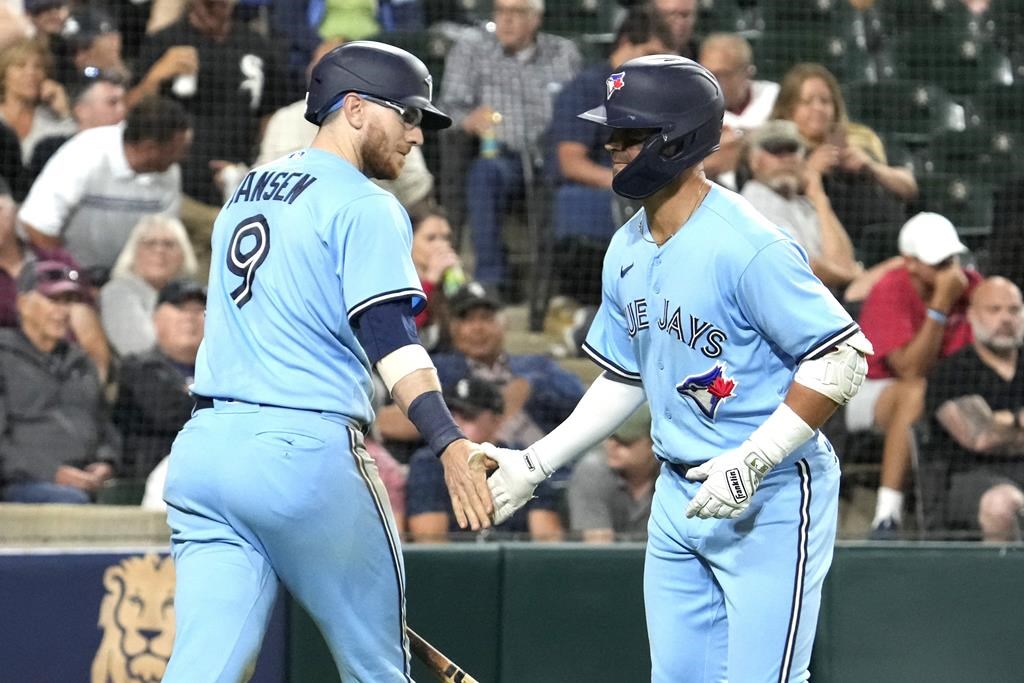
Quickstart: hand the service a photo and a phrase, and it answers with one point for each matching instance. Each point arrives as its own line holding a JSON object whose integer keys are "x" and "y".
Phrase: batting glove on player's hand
{"x": 730, "y": 480}
{"x": 513, "y": 483}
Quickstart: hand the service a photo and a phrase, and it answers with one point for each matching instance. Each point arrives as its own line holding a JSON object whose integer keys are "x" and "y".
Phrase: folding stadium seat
{"x": 905, "y": 16}
{"x": 1001, "y": 106}
{"x": 966, "y": 202}
{"x": 982, "y": 154}
{"x": 910, "y": 112}
{"x": 727, "y": 16}
{"x": 956, "y": 61}
{"x": 776, "y": 51}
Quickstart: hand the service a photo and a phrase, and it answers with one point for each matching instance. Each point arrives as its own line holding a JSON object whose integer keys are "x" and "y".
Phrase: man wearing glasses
{"x": 789, "y": 193}
{"x": 311, "y": 287}
{"x": 58, "y": 445}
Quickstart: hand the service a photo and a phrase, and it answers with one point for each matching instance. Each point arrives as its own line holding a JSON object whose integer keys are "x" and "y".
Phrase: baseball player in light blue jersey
{"x": 311, "y": 285}
{"x": 711, "y": 314}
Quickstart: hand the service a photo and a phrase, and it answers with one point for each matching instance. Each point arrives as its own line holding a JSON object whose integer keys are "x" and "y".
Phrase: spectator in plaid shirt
{"x": 503, "y": 84}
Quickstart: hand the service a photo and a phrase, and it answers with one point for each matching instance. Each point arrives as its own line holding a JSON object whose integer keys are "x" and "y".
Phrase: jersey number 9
{"x": 250, "y": 243}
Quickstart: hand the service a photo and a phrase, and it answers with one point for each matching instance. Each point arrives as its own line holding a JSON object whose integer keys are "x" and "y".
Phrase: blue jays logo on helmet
{"x": 708, "y": 390}
{"x": 615, "y": 82}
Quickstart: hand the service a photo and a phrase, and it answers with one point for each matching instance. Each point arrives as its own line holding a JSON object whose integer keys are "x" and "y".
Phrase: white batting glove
{"x": 730, "y": 479}
{"x": 513, "y": 483}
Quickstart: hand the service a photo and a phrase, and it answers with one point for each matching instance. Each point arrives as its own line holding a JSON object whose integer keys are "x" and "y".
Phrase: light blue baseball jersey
{"x": 304, "y": 245}
{"x": 713, "y": 323}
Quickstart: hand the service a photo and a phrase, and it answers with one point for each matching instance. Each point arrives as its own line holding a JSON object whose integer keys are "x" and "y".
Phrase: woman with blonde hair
{"x": 863, "y": 188}
{"x": 32, "y": 104}
{"x": 157, "y": 251}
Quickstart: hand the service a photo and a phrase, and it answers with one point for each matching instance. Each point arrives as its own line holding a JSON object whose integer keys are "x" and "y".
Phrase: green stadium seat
{"x": 776, "y": 51}
{"x": 1001, "y": 106}
{"x": 430, "y": 46}
{"x": 905, "y": 16}
{"x": 983, "y": 154}
{"x": 121, "y": 492}
{"x": 714, "y": 16}
{"x": 965, "y": 201}
{"x": 797, "y": 15}
{"x": 955, "y": 61}
{"x": 910, "y": 112}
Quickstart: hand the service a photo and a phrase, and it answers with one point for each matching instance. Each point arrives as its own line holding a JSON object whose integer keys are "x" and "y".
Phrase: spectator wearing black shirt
{"x": 153, "y": 400}
{"x": 975, "y": 401}
{"x": 226, "y": 75}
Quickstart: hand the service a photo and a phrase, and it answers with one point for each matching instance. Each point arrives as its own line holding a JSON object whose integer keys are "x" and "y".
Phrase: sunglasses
{"x": 95, "y": 73}
{"x": 778, "y": 148}
{"x": 411, "y": 116}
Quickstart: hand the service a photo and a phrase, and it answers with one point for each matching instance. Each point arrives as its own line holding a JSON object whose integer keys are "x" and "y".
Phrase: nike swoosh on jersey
{"x": 625, "y": 269}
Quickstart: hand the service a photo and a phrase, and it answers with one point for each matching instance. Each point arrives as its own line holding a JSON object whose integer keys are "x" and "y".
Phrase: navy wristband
{"x": 432, "y": 418}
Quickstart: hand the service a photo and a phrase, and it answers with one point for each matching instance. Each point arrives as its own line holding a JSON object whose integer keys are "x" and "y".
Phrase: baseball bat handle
{"x": 445, "y": 669}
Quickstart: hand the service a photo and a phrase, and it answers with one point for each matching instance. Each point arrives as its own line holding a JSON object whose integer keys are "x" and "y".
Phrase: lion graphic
{"x": 137, "y": 618}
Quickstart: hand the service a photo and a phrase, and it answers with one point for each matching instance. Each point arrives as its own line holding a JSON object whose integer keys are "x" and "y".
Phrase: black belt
{"x": 202, "y": 402}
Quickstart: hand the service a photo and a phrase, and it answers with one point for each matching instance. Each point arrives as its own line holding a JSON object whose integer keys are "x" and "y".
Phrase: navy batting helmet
{"x": 383, "y": 71}
{"x": 673, "y": 95}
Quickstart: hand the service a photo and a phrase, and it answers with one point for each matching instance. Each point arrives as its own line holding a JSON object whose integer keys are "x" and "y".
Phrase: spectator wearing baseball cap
{"x": 914, "y": 315}
{"x": 153, "y": 400}
{"x": 477, "y": 406}
{"x": 90, "y": 39}
{"x": 57, "y": 444}
{"x": 15, "y": 257}
{"x": 789, "y": 192}
{"x": 611, "y": 490}
{"x": 97, "y": 99}
{"x": 538, "y": 393}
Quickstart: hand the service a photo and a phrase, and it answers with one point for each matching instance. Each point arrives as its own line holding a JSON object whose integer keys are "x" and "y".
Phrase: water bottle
{"x": 452, "y": 280}
{"x": 489, "y": 140}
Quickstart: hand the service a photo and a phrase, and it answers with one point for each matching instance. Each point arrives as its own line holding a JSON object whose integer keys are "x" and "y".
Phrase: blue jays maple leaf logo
{"x": 615, "y": 82}
{"x": 708, "y": 390}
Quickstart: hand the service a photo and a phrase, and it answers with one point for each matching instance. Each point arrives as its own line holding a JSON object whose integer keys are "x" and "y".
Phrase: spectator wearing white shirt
{"x": 748, "y": 103}
{"x": 97, "y": 186}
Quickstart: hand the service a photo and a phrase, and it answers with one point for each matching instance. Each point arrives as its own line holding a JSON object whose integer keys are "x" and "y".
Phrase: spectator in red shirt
{"x": 913, "y": 316}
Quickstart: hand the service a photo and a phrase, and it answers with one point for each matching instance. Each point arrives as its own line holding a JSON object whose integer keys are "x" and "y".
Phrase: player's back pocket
{"x": 289, "y": 440}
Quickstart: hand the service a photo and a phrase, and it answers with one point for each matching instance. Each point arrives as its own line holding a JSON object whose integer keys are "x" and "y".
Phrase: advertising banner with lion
{"x": 100, "y": 618}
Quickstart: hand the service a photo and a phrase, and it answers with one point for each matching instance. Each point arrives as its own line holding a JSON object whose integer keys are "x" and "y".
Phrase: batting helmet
{"x": 376, "y": 69}
{"x": 676, "y": 96}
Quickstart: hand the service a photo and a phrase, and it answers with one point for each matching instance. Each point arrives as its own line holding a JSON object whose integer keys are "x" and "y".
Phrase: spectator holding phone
{"x": 863, "y": 188}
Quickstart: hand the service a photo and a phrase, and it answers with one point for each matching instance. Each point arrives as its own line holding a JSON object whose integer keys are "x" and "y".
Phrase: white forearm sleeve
{"x": 604, "y": 407}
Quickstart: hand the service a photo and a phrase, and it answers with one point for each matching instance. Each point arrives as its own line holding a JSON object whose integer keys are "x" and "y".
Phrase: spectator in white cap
{"x": 914, "y": 315}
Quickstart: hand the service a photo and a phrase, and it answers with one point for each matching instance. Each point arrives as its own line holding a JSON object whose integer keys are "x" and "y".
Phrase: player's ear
{"x": 355, "y": 110}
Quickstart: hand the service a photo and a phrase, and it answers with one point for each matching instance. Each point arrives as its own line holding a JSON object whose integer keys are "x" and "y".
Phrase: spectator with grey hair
{"x": 499, "y": 88}
{"x": 157, "y": 252}
{"x": 789, "y": 193}
{"x": 57, "y": 444}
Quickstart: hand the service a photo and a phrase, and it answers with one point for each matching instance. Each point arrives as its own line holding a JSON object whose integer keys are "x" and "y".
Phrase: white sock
{"x": 889, "y": 505}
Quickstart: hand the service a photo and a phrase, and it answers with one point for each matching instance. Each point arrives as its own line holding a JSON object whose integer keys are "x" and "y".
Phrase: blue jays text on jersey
{"x": 671, "y": 322}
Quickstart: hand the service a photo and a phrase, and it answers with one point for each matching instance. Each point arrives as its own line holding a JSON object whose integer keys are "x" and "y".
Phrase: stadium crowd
{"x": 124, "y": 126}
